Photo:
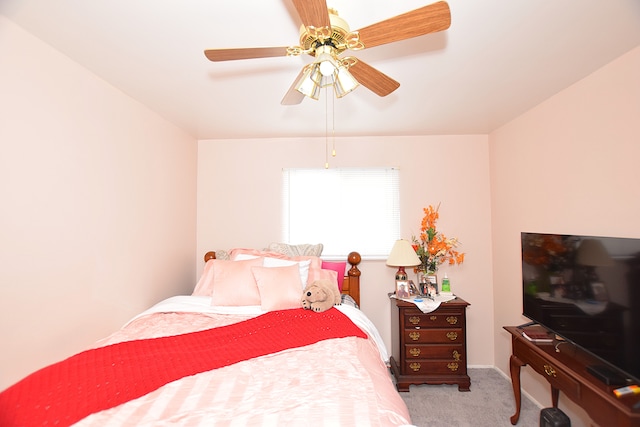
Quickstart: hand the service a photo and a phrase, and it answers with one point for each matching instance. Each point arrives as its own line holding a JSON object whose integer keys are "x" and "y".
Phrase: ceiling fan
{"x": 325, "y": 36}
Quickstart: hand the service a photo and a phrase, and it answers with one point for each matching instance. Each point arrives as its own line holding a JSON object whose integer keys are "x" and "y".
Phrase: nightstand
{"x": 429, "y": 348}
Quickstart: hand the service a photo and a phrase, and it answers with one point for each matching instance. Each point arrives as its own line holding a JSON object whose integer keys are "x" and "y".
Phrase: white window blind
{"x": 344, "y": 209}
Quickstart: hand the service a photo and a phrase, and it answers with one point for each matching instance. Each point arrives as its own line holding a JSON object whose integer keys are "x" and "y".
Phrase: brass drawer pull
{"x": 549, "y": 370}
{"x": 414, "y": 335}
{"x": 453, "y": 366}
{"x": 433, "y": 318}
{"x": 452, "y": 336}
{"x": 414, "y": 320}
{"x": 415, "y": 366}
{"x": 456, "y": 355}
{"x": 415, "y": 352}
{"x": 452, "y": 320}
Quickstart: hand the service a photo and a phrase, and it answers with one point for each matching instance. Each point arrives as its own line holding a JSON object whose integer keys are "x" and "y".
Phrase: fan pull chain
{"x": 327, "y": 95}
{"x": 333, "y": 125}
{"x": 326, "y": 128}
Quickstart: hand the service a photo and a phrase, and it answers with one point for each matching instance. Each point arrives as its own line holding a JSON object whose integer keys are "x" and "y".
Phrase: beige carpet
{"x": 489, "y": 403}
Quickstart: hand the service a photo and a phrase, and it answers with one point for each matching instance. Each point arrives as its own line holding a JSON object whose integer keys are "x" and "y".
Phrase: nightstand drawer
{"x": 434, "y": 351}
{"x": 433, "y": 336}
{"x": 416, "y": 318}
{"x": 434, "y": 367}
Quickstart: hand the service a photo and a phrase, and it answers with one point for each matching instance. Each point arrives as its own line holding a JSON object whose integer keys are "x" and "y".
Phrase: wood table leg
{"x": 514, "y": 368}
{"x": 555, "y": 393}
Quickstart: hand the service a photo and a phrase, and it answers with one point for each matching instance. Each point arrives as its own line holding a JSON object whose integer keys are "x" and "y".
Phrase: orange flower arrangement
{"x": 432, "y": 247}
{"x": 554, "y": 252}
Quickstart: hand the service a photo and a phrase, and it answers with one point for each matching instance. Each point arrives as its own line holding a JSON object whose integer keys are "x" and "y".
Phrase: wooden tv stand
{"x": 566, "y": 371}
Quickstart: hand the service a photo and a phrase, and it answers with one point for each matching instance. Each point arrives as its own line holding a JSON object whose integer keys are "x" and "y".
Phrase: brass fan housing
{"x": 337, "y": 36}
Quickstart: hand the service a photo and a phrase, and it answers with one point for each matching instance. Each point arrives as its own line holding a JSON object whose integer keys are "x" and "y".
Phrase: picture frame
{"x": 413, "y": 289}
{"x": 403, "y": 289}
{"x": 599, "y": 291}
{"x": 432, "y": 283}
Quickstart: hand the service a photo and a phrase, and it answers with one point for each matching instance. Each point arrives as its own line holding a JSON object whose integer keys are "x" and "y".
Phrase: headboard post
{"x": 354, "y": 259}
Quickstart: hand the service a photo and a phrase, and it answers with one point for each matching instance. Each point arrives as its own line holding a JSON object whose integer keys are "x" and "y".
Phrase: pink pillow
{"x": 338, "y": 267}
{"x": 322, "y": 274}
{"x": 315, "y": 264}
{"x": 280, "y": 287}
{"x": 233, "y": 282}
{"x": 204, "y": 287}
{"x": 272, "y": 259}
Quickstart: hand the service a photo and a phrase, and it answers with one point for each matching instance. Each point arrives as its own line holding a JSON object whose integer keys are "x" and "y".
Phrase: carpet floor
{"x": 489, "y": 403}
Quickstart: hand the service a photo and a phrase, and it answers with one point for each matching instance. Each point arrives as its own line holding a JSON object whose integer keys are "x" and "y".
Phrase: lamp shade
{"x": 403, "y": 255}
{"x": 309, "y": 82}
{"x": 592, "y": 253}
{"x": 324, "y": 57}
{"x": 344, "y": 82}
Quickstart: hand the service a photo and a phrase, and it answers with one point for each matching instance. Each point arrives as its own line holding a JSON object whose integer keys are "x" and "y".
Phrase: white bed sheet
{"x": 292, "y": 387}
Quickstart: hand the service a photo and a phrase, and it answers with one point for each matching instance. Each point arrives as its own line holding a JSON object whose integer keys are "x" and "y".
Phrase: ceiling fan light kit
{"x": 327, "y": 70}
{"x": 344, "y": 82}
{"x": 328, "y": 64}
{"x": 325, "y": 36}
{"x": 309, "y": 83}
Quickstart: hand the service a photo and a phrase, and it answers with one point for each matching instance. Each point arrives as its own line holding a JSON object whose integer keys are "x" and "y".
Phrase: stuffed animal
{"x": 321, "y": 295}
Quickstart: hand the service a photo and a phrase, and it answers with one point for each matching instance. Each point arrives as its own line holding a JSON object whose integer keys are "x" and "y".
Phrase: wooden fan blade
{"x": 244, "y": 53}
{"x": 425, "y": 20}
{"x": 373, "y": 79}
{"x": 293, "y": 97}
{"x": 313, "y": 13}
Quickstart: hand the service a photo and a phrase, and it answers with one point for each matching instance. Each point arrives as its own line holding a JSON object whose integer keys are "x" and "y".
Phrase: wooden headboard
{"x": 351, "y": 284}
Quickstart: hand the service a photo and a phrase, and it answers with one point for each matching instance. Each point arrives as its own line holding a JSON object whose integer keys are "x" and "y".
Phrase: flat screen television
{"x": 586, "y": 289}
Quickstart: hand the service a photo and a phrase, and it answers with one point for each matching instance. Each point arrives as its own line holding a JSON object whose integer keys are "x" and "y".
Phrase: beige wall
{"x": 98, "y": 206}
{"x": 98, "y": 216}
{"x": 570, "y": 165}
{"x": 239, "y": 205}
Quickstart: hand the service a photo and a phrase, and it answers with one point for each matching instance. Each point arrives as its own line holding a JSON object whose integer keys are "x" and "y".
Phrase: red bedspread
{"x": 97, "y": 379}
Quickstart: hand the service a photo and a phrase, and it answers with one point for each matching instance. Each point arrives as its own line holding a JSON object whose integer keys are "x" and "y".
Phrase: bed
{"x": 236, "y": 352}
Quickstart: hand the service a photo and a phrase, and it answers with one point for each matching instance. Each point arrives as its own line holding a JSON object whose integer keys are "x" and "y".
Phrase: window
{"x": 344, "y": 209}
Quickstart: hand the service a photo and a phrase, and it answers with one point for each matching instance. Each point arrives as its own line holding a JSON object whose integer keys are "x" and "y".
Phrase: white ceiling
{"x": 498, "y": 59}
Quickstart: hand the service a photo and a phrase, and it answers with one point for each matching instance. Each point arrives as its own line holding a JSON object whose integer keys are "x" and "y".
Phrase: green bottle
{"x": 446, "y": 286}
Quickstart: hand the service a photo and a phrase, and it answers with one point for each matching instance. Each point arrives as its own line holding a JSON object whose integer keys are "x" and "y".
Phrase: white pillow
{"x": 303, "y": 267}
{"x": 241, "y": 257}
{"x": 277, "y": 262}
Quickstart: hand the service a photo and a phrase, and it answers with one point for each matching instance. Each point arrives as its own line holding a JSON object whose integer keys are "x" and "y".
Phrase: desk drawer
{"x": 558, "y": 378}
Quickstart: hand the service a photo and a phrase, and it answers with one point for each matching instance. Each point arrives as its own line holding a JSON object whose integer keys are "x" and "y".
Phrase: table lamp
{"x": 590, "y": 255}
{"x": 402, "y": 255}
